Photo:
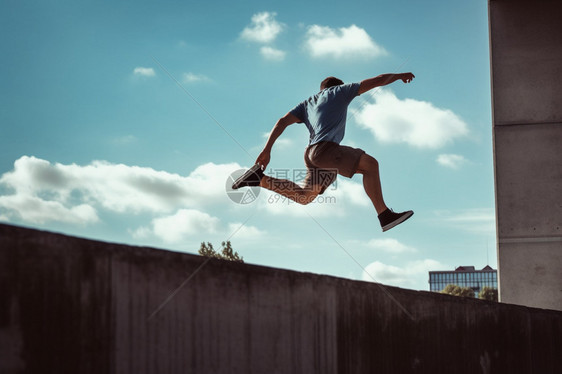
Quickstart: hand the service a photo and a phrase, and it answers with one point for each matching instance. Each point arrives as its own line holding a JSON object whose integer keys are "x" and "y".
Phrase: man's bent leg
{"x": 369, "y": 167}
{"x": 290, "y": 189}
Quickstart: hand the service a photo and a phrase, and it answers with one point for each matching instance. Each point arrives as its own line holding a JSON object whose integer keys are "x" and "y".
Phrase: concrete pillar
{"x": 526, "y": 68}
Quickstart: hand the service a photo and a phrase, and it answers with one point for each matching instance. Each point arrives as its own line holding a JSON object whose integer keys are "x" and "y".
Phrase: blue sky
{"x": 123, "y": 121}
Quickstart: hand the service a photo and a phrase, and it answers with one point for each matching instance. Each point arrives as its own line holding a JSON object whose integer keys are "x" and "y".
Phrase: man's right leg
{"x": 315, "y": 182}
{"x": 256, "y": 177}
{"x": 369, "y": 167}
{"x": 290, "y": 189}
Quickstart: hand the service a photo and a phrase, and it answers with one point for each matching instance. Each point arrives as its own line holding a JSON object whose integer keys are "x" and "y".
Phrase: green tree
{"x": 488, "y": 293}
{"x": 453, "y": 289}
{"x": 227, "y": 253}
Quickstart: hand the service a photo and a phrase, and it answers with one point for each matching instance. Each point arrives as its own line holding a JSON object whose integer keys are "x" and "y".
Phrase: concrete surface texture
{"x": 70, "y": 305}
{"x": 526, "y": 67}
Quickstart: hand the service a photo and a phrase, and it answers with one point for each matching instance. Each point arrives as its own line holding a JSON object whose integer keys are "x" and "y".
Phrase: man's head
{"x": 330, "y": 82}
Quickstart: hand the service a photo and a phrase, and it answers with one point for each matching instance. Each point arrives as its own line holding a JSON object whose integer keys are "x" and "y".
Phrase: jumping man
{"x": 324, "y": 114}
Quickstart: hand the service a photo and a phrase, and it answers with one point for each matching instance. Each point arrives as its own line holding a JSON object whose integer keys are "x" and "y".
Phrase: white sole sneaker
{"x": 400, "y": 217}
{"x": 251, "y": 178}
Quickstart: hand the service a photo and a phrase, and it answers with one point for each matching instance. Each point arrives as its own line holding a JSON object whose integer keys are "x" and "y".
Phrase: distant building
{"x": 464, "y": 276}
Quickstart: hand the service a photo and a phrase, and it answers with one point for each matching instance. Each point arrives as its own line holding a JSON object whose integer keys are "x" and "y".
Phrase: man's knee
{"x": 307, "y": 196}
{"x": 367, "y": 164}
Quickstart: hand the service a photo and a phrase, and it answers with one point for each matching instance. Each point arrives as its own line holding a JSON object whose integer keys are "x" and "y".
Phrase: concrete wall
{"x": 526, "y": 66}
{"x": 71, "y": 305}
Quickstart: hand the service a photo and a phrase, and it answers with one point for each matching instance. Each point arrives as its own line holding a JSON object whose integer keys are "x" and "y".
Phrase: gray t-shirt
{"x": 325, "y": 113}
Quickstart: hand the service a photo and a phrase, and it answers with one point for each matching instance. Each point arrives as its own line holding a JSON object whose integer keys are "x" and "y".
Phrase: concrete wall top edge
{"x": 156, "y": 257}
{"x": 146, "y": 254}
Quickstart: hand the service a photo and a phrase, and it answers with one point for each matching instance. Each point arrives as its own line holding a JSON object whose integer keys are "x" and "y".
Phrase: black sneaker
{"x": 389, "y": 219}
{"x": 250, "y": 178}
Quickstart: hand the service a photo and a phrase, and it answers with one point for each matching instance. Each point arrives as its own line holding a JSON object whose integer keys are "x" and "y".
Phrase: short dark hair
{"x": 330, "y": 82}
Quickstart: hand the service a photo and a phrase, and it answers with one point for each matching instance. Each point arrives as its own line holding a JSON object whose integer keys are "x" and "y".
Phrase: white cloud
{"x": 185, "y": 223}
{"x": 272, "y": 54}
{"x": 144, "y": 72}
{"x": 413, "y": 274}
{"x": 476, "y": 220}
{"x": 263, "y": 29}
{"x": 36, "y": 210}
{"x": 348, "y": 191}
{"x": 194, "y": 78}
{"x": 390, "y": 245}
{"x": 346, "y": 42}
{"x": 143, "y": 232}
{"x": 240, "y": 231}
{"x": 417, "y": 123}
{"x": 473, "y": 215}
{"x": 451, "y": 161}
{"x": 39, "y": 191}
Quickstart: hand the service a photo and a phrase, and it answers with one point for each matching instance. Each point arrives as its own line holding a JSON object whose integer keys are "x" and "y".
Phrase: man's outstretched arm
{"x": 280, "y": 126}
{"x": 383, "y": 80}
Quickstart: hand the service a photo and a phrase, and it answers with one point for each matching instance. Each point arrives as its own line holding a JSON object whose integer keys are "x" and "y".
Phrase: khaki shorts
{"x": 325, "y": 160}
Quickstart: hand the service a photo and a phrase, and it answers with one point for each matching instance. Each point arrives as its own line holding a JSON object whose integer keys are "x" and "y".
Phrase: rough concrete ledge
{"x": 70, "y": 305}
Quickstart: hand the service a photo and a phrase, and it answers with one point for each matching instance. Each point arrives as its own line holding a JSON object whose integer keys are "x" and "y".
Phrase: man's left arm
{"x": 383, "y": 80}
{"x": 280, "y": 126}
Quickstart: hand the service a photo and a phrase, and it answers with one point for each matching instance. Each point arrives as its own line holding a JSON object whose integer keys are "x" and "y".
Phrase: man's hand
{"x": 263, "y": 159}
{"x": 407, "y": 77}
